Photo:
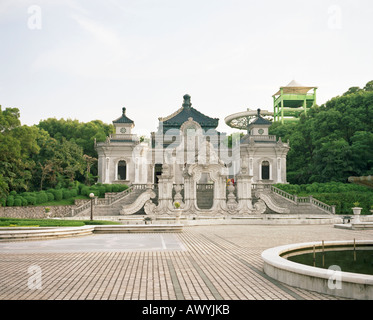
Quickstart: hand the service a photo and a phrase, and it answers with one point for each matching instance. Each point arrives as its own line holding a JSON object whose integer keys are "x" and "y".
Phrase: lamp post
{"x": 92, "y": 195}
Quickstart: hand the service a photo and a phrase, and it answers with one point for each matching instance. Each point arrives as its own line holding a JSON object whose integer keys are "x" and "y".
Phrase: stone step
{"x": 300, "y": 208}
{"x": 114, "y": 208}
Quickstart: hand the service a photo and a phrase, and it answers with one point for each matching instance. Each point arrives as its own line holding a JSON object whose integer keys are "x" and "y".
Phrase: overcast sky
{"x": 86, "y": 59}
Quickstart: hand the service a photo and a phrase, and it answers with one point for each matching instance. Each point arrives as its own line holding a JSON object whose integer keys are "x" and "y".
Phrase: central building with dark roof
{"x": 187, "y": 160}
{"x": 186, "y": 137}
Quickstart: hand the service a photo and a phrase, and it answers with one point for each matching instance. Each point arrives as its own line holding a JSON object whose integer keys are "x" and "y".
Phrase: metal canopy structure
{"x": 241, "y": 120}
{"x": 292, "y": 100}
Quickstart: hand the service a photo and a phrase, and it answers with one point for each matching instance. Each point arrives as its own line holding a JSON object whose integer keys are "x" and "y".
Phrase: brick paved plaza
{"x": 203, "y": 262}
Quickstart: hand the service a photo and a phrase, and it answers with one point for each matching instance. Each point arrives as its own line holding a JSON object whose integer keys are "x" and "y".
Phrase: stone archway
{"x": 208, "y": 163}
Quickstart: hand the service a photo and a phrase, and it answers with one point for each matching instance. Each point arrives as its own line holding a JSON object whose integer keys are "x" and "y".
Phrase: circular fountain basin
{"x": 328, "y": 280}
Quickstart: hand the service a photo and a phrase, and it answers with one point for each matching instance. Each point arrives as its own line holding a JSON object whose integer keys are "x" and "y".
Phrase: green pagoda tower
{"x": 292, "y": 100}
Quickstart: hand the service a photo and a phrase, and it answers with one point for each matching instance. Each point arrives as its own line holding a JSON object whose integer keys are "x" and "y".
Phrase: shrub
{"x": 17, "y": 202}
{"x": 66, "y": 194}
{"x": 10, "y": 201}
{"x": 101, "y": 191}
{"x": 24, "y": 202}
{"x": 57, "y": 194}
{"x": 30, "y": 200}
{"x": 50, "y": 196}
{"x": 74, "y": 192}
{"x": 41, "y": 197}
{"x": 122, "y": 187}
{"x": 85, "y": 191}
{"x": 108, "y": 188}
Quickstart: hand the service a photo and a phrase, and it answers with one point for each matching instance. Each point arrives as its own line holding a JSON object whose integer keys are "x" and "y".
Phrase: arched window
{"x": 265, "y": 170}
{"x": 122, "y": 170}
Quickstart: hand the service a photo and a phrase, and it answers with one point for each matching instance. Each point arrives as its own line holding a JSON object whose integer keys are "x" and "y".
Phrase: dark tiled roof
{"x": 260, "y": 120}
{"x": 176, "y": 119}
{"x": 123, "y": 118}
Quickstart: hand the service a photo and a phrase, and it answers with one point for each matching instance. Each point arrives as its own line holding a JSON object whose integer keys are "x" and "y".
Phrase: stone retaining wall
{"x": 31, "y": 212}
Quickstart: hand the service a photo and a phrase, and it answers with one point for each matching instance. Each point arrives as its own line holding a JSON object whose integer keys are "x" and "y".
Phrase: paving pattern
{"x": 203, "y": 262}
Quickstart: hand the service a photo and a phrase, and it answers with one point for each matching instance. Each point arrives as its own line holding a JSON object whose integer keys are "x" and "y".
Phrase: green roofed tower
{"x": 292, "y": 100}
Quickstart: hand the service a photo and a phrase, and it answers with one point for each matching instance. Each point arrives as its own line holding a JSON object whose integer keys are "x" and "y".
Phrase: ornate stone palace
{"x": 189, "y": 161}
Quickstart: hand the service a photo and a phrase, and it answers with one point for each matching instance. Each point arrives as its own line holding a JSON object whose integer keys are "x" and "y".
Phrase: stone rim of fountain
{"x": 354, "y": 285}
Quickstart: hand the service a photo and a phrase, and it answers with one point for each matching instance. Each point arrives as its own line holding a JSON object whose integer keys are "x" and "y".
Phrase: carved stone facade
{"x": 188, "y": 154}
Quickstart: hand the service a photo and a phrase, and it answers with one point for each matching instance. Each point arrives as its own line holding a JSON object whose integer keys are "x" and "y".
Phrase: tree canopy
{"x": 330, "y": 143}
{"x": 54, "y": 153}
{"x": 333, "y": 141}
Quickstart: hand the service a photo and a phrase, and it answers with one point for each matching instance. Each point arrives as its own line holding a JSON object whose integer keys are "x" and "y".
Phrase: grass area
{"x": 16, "y": 222}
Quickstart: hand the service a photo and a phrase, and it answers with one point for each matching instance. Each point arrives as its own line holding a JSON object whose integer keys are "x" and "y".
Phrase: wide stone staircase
{"x": 279, "y": 201}
{"x": 133, "y": 199}
{"x": 113, "y": 203}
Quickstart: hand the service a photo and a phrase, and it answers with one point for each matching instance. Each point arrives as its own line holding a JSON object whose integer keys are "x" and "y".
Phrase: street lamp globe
{"x": 91, "y": 195}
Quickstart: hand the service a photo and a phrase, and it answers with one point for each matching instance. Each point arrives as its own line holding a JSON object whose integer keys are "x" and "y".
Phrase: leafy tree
{"x": 332, "y": 161}
{"x": 333, "y": 141}
{"x": 89, "y": 162}
{"x": 9, "y": 119}
{"x": 83, "y": 134}
{"x": 17, "y": 146}
{"x": 362, "y": 152}
{"x": 352, "y": 90}
{"x": 369, "y": 86}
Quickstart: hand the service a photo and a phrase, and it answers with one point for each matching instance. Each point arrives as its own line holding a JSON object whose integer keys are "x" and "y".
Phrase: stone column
{"x": 190, "y": 193}
{"x": 107, "y": 171}
{"x": 244, "y": 198}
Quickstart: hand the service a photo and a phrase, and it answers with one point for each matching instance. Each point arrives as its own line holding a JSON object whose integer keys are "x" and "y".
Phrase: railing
{"x": 255, "y": 186}
{"x": 301, "y": 200}
{"x": 205, "y": 186}
{"x": 114, "y": 197}
{"x": 110, "y": 198}
{"x": 143, "y": 186}
{"x": 322, "y": 205}
{"x": 263, "y": 138}
{"x": 284, "y": 194}
{"x": 81, "y": 208}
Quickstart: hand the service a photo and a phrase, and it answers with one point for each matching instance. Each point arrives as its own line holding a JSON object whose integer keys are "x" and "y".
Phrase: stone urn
{"x": 356, "y": 210}
{"x": 177, "y": 211}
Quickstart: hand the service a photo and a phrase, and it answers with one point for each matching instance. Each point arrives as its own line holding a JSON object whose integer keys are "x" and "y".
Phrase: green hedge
{"x": 100, "y": 189}
{"x": 40, "y": 197}
{"x": 342, "y": 195}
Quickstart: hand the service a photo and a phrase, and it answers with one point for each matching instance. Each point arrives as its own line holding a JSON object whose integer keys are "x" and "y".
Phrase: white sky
{"x": 90, "y": 58}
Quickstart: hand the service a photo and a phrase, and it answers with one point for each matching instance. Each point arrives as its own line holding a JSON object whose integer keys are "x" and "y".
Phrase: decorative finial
{"x": 258, "y": 112}
{"x": 187, "y": 103}
{"x": 123, "y": 110}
